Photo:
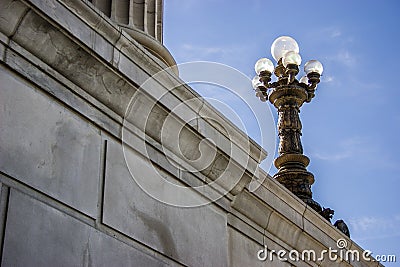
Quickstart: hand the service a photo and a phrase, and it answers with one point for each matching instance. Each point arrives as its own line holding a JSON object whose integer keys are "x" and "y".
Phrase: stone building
{"x": 76, "y": 171}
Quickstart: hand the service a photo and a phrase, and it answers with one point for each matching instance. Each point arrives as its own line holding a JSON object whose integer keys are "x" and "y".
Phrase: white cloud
{"x": 327, "y": 79}
{"x": 332, "y": 157}
{"x": 343, "y": 57}
{"x": 338, "y": 43}
{"x": 203, "y": 50}
{"x": 336, "y": 33}
{"x": 191, "y": 52}
{"x": 333, "y": 32}
{"x": 346, "y": 58}
{"x": 369, "y": 227}
{"x": 345, "y": 149}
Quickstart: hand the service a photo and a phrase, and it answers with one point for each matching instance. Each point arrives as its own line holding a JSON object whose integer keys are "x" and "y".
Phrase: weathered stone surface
{"x": 253, "y": 208}
{"x": 53, "y": 83}
{"x": 224, "y": 138}
{"x": 362, "y": 262}
{"x": 115, "y": 92}
{"x": 279, "y": 198}
{"x": 321, "y": 229}
{"x": 245, "y": 226}
{"x": 11, "y": 12}
{"x": 49, "y": 44}
{"x": 2, "y": 51}
{"x": 3, "y": 40}
{"x": 243, "y": 252}
{"x": 84, "y": 62}
{"x": 233, "y": 133}
{"x": 47, "y": 146}
{"x": 127, "y": 66}
{"x": 39, "y": 235}
{"x": 283, "y": 229}
{"x": 76, "y": 27}
{"x": 185, "y": 234}
{"x": 187, "y": 144}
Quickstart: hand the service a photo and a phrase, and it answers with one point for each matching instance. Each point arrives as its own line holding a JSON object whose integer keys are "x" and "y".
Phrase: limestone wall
{"x": 73, "y": 162}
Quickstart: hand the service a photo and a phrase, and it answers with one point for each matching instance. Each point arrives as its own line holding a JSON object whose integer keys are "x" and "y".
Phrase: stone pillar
{"x": 144, "y": 15}
{"x": 141, "y": 19}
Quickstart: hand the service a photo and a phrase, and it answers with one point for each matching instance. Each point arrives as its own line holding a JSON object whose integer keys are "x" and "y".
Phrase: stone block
{"x": 252, "y": 208}
{"x": 307, "y": 243}
{"x": 185, "y": 234}
{"x": 282, "y": 228}
{"x": 179, "y": 107}
{"x": 126, "y": 65}
{"x": 76, "y": 27}
{"x": 221, "y": 139}
{"x": 11, "y": 12}
{"x": 2, "y": 51}
{"x": 337, "y": 263}
{"x": 47, "y": 146}
{"x": 361, "y": 262}
{"x": 55, "y": 84}
{"x": 243, "y": 252}
{"x": 224, "y": 139}
{"x": 275, "y": 196}
{"x": 39, "y": 235}
{"x": 48, "y": 43}
{"x": 320, "y": 229}
{"x": 247, "y": 227}
{"x": 147, "y": 115}
{"x": 233, "y": 133}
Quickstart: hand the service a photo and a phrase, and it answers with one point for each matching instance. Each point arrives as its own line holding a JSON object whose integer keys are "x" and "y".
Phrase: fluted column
{"x": 144, "y": 15}
{"x": 141, "y": 19}
{"x": 120, "y": 11}
{"x": 137, "y": 14}
{"x": 159, "y": 20}
{"x": 104, "y": 6}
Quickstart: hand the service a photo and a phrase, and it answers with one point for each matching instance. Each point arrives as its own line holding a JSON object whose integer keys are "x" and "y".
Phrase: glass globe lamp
{"x": 264, "y": 64}
{"x": 256, "y": 82}
{"x": 291, "y": 57}
{"x": 313, "y": 66}
{"x": 282, "y": 45}
{"x": 304, "y": 79}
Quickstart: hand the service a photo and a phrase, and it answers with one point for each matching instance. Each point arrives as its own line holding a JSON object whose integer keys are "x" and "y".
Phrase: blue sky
{"x": 352, "y": 126}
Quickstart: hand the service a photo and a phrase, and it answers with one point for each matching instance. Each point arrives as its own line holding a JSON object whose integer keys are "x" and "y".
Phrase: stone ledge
{"x": 287, "y": 221}
{"x": 46, "y": 145}
{"x": 54, "y": 9}
{"x": 62, "y": 89}
{"x": 131, "y": 70}
{"x": 85, "y": 109}
{"x": 63, "y": 215}
{"x": 152, "y": 45}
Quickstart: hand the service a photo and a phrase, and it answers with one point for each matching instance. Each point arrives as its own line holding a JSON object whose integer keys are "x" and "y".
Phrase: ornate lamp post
{"x": 288, "y": 94}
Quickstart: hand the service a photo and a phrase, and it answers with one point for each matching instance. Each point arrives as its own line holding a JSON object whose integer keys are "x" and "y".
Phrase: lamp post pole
{"x": 287, "y": 95}
{"x": 291, "y": 163}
